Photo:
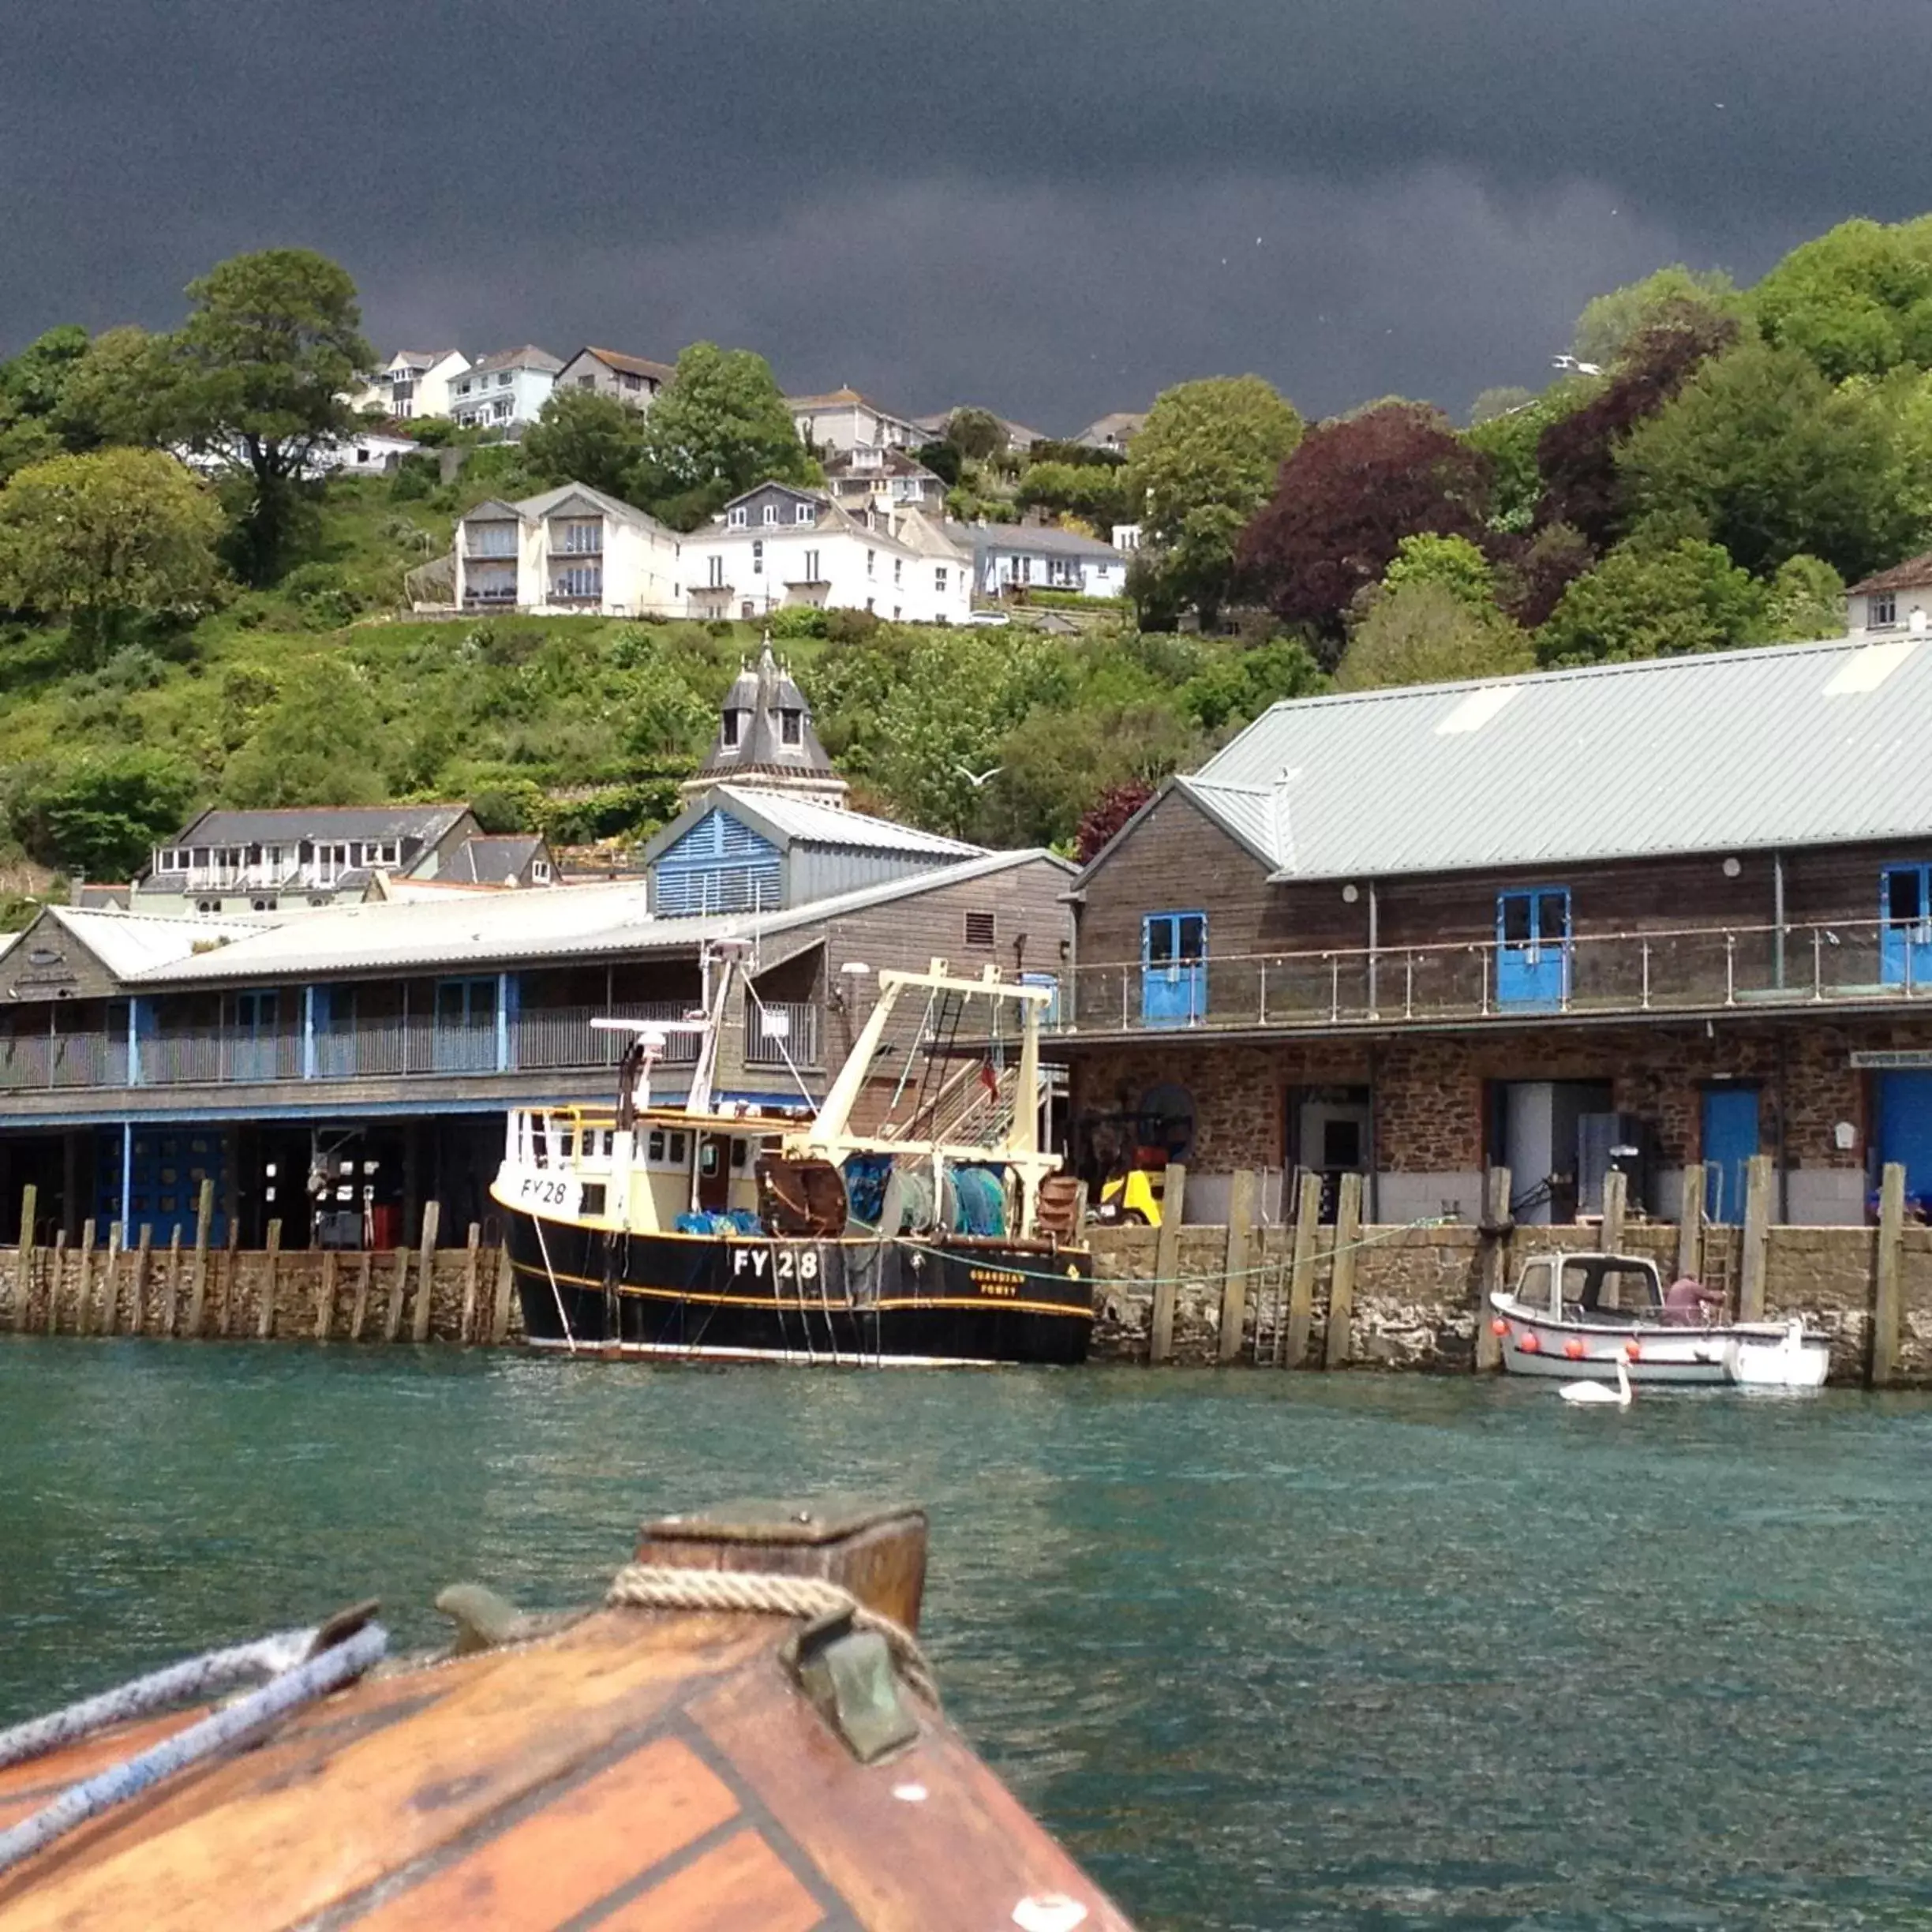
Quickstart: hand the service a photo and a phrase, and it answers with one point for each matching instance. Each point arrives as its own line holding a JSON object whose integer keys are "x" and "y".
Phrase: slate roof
{"x": 630, "y": 365}
{"x": 1035, "y": 540}
{"x": 1111, "y": 431}
{"x": 492, "y": 860}
{"x": 222, "y": 827}
{"x": 1789, "y": 746}
{"x": 786, "y": 818}
{"x": 530, "y": 356}
{"x": 760, "y": 696}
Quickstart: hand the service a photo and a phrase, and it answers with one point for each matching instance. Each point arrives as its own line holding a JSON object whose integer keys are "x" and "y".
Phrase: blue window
{"x": 252, "y": 1036}
{"x": 465, "y": 1025}
{"x": 1532, "y": 946}
{"x": 1905, "y": 926}
{"x": 1174, "y": 968}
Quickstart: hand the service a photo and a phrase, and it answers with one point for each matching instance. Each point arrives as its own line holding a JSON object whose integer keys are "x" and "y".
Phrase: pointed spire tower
{"x": 766, "y": 739}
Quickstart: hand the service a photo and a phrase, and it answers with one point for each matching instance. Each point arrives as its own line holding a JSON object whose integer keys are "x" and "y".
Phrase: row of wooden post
{"x": 202, "y": 1268}
{"x": 1289, "y": 1346}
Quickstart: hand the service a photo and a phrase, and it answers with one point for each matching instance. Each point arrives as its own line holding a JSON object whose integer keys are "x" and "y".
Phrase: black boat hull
{"x": 862, "y": 1302}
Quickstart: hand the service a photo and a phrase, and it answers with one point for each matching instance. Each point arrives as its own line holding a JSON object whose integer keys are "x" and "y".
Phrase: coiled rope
{"x": 758, "y": 1592}
{"x": 299, "y": 1674}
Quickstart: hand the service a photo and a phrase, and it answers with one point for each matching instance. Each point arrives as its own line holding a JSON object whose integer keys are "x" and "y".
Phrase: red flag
{"x": 988, "y": 1079}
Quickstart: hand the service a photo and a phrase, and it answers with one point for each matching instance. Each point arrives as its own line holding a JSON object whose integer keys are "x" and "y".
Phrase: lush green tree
{"x": 1610, "y": 323}
{"x": 1205, "y": 461}
{"x": 719, "y": 427}
{"x": 1236, "y": 686}
{"x": 319, "y": 743}
{"x": 99, "y": 812}
{"x": 976, "y": 433}
{"x": 1346, "y": 499}
{"x": 1776, "y": 461}
{"x": 1806, "y": 600}
{"x": 1428, "y": 630}
{"x": 944, "y": 460}
{"x": 32, "y": 380}
{"x": 1054, "y": 765}
{"x": 1655, "y": 600}
{"x": 1578, "y": 452}
{"x": 1504, "y": 400}
{"x": 1453, "y": 562}
{"x": 1856, "y": 301}
{"x": 273, "y": 342}
{"x": 105, "y": 539}
{"x": 1534, "y": 572}
{"x": 1507, "y": 440}
{"x": 580, "y": 436}
{"x": 120, "y": 389}
{"x": 1095, "y": 494}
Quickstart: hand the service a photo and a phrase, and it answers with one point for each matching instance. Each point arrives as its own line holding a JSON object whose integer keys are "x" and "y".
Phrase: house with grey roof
{"x": 1682, "y": 907}
{"x": 1009, "y": 559}
{"x": 880, "y": 476}
{"x": 1893, "y": 600}
{"x": 572, "y": 550}
{"x": 505, "y": 391}
{"x": 633, "y": 380}
{"x": 845, "y": 420}
{"x": 1113, "y": 433}
{"x": 415, "y": 382}
{"x": 766, "y": 739}
{"x": 1019, "y": 439}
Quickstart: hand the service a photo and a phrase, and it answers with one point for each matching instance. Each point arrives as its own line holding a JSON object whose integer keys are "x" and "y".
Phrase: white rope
{"x": 759, "y": 1592}
{"x": 238, "y": 1723}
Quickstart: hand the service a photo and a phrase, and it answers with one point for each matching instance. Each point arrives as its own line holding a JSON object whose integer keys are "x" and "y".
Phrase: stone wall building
{"x": 1683, "y": 906}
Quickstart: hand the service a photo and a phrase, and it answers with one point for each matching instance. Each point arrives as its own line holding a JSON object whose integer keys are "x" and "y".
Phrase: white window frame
{"x": 805, "y": 513}
{"x": 1881, "y": 610}
{"x": 739, "y": 518}
{"x": 771, "y": 514}
{"x": 717, "y": 574}
{"x": 757, "y": 557}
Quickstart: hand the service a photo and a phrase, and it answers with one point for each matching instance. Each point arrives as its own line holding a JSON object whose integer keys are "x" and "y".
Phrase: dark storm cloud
{"x": 1055, "y": 206}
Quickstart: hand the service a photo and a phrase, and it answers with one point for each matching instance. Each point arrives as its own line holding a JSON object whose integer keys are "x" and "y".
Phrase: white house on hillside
{"x": 1898, "y": 599}
{"x": 884, "y": 478}
{"x": 572, "y": 550}
{"x": 630, "y": 379}
{"x": 1112, "y": 432}
{"x": 415, "y": 382}
{"x": 506, "y": 390}
{"x": 1016, "y": 556}
{"x": 845, "y": 420}
{"x": 776, "y": 545}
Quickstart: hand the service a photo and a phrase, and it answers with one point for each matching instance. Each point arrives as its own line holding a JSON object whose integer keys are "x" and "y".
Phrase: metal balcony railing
{"x": 781, "y": 1030}
{"x": 1686, "y": 970}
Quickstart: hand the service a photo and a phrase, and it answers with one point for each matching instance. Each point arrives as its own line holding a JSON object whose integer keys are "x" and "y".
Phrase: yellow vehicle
{"x": 1134, "y": 1196}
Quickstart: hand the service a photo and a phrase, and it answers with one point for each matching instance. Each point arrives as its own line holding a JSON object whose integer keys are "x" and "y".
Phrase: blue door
{"x": 1174, "y": 968}
{"x": 1905, "y": 1129}
{"x": 1533, "y": 947}
{"x": 466, "y": 1026}
{"x": 1905, "y": 927}
{"x": 251, "y": 1038}
{"x": 1730, "y": 1138}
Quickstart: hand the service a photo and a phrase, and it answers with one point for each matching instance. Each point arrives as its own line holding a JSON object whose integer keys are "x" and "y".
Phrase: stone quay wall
{"x": 1419, "y": 1294}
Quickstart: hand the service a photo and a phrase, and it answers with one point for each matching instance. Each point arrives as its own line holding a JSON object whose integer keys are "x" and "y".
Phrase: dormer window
{"x": 791, "y": 727}
{"x": 739, "y": 518}
{"x": 803, "y": 513}
{"x": 731, "y": 730}
{"x": 1881, "y": 610}
{"x": 771, "y": 513}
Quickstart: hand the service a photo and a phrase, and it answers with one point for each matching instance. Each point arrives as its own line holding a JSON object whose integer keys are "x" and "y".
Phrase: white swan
{"x": 1595, "y": 1392}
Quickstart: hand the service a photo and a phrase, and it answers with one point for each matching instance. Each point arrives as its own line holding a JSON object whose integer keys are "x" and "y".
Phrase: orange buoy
{"x": 1573, "y": 1349}
{"x": 1634, "y": 1349}
{"x": 1499, "y": 1327}
{"x": 1530, "y": 1342}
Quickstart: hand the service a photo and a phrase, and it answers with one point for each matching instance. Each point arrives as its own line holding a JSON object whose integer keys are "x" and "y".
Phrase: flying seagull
{"x": 980, "y": 779}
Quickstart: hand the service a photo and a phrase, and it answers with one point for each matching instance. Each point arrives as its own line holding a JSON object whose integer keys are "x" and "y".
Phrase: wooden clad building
{"x": 1683, "y": 907}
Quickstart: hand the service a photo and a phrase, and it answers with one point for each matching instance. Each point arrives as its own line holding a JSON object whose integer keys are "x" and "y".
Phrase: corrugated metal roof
{"x": 504, "y": 930}
{"x": 130, "y": 944}
{"x": 1796, "y": 744}
{"x": 222, "y": 827}
{"x": 793, "y": 817}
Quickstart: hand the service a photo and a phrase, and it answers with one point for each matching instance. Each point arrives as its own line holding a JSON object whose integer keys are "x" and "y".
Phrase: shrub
{"x": 799, "y": 620}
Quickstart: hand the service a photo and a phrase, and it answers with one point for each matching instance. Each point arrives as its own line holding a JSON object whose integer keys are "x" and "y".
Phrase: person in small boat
{"x": 1689, "y": 1303}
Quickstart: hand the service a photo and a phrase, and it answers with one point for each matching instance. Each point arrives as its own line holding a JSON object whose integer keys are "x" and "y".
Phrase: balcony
{"x": 781, "y": 1032}
{"x": 1690, "y": 971}
{"x": 543, "y": 1039}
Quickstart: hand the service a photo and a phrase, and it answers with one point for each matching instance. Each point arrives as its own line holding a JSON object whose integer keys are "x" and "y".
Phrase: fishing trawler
{"x": 912, "y": 1218}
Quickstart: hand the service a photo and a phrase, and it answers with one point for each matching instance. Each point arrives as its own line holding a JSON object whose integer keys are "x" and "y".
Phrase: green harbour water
{"x": 1266, "y": 1650}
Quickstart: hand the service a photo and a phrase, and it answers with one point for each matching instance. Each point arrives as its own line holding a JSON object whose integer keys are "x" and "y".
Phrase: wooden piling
{"x": 1341, "y": 1277}
{"x": 1757, "y": 1238}
{"x": 399, "y": 1290}
{"x": 1292, "y": 1352}
{"x": 170, "y": 1310}
{"x": 466, "y": 1333}
{"x": 57, "y": 1275}
{"x": 144, "y": 1262}
{"x": 23, "y": 1254}
{"x": 1239, "y": 1241}
{"x": 359, "y": 1314}
{"x": 1887, "y": 1285}
{"x": 1616, "y": 1205}
{"x": 1492, "y": 1271}
{"x": 84, "y": 1285}
{"x": 425, "y": 1271}
{"x": 325, "y": 1296}
{"x": 1691, "y": 1223}
{"x": 1167, "y": 1265}
{"x": 110, "y": 1297}
{"x": 506, "y": 1287}
{"x": 227, "y": 1279}
{"x": 271, "y": 1281}
{"x": 197, "y": 1279}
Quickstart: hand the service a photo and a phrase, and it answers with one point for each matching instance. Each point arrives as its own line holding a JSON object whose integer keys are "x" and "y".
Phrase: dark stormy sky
{"x": 1054, "y": 206}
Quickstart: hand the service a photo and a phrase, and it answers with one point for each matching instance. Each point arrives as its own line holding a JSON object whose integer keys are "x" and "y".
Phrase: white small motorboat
{"x": 1585, "y": 1316}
